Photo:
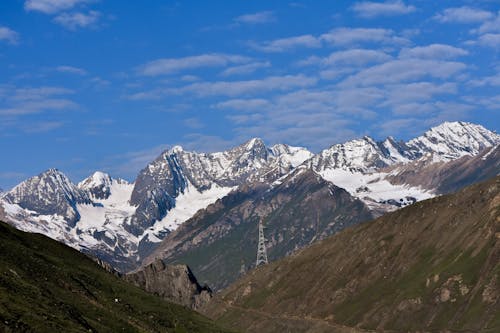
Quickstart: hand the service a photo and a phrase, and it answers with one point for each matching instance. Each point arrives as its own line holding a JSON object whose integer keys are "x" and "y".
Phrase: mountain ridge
{"x": 123, "y": 222}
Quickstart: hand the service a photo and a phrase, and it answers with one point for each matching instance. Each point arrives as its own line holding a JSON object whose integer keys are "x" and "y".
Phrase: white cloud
{"x": 24, "y": 101}
{"x": 245, "y": 69}
{"x": 172, "y": 65}
{"x": 356, "y": 57}
{"x": 285, "y": 44}
{"x": 8, "y": 35}
{"x": 338, "y": 37}
{"x": 230, "y": 88}
{"x": 370, "y": 9}
{"x": 350, "y": 36}
{"x": 403, "y": 70}
{"x": 71, "y": 70}
{"x": 493, "y": 80}
{"x": 463, "y": 15}
{"x": 255, "y": 18}
{"x": 236, "y": 88}
{"x": 492, "y": 25}
{"x": 32, "y": 107}
{"x": 244, "y": 104}
{"x": 73, "y": 21}
{"x": 52, "y": 6}
{"x": 433, "y": 51}
{"x": 26, "y": 94}
{"x": 491, "y": 40}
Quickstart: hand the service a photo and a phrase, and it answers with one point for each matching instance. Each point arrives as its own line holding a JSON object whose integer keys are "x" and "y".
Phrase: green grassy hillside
{"x": 46, "y": 286}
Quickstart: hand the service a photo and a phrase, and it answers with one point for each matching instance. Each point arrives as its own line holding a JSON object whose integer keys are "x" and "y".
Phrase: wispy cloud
{"x": 433, "y": 51}
{"x": 71, "y": 70}
{"x": 491, "y": 40}
{"x": 255, "y": 18}
{"x": 357, "y": 57}
{"x": 53, "y": 6}
{"x": 8, "y": 35}
{"x": 167, "y": 66}
{"x": 354, "y": 36}
{"x": 286, "y": 44}
{"x": 463, "y": 15}
{"x": 24, "y": 101}
{"x": 245, "y": 69}
{"x": 404, "y": 70}
{"x": 371, "y": 9}
{"x": 74, "y": 21}
{"x": 236, "y": 88}
{"x": 231, "y": 88}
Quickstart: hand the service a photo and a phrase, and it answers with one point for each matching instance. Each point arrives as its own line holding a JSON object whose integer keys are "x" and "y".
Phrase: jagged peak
{"x": 452, "y": 140}
{"x": 253, "y": 143}
{"x": 176, "y": 149}
{"x": 98, "y": 178}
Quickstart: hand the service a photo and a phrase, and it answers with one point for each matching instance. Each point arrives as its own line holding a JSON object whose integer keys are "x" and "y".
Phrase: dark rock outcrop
{"x": 175, "y": 283}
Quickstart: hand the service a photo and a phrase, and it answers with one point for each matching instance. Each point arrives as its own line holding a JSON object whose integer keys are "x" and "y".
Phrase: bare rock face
{"x": 175, "y": 283}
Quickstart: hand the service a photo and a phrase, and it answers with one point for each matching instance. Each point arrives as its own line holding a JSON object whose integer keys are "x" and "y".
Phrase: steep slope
{"x": 432, "y": 266}
{"x": 220, "y": 242}
{"x": 46, "y": 286}
{"x": 174, "y": 283}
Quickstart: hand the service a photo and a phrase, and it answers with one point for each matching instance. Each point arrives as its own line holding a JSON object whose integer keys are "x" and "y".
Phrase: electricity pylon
{"x": 261, "y": 248}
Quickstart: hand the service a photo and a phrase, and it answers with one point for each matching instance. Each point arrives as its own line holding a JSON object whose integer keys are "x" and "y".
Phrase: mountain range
{"x": 203, "y": 196}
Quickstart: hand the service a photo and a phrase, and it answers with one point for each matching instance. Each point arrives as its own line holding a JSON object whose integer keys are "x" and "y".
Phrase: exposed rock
{"x": 175, "y": 283}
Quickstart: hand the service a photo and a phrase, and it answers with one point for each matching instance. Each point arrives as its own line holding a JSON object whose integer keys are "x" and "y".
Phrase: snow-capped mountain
{"x": 49, "y": 193}
{"x": 177, "y": 172}
{"x": 99, "y": 185}
{"x": 360, "y": 165}
{"x": 452, "y": 140}
{"x": 121, "y": 221}
{"x": 117, "y": 220}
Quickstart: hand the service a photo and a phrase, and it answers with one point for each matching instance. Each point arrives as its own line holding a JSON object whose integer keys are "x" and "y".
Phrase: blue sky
{"x": 107, "y": 85}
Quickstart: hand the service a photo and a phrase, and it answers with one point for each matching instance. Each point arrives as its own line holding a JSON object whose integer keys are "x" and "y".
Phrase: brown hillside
{"x": 433, "y": 266}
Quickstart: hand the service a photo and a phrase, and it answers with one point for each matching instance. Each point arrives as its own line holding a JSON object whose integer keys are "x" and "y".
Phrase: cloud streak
{"x": 52, "y": 6}
{"x": 74, "y": 21}
{"x": 255, "y": 18}
{"x": 167, "y": 66}
{"x": 463, "y": 15}
{"x": 369, "y": 9}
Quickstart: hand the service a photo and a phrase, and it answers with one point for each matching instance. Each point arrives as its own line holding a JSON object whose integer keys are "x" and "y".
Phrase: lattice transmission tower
{"x": 261, "y": 248}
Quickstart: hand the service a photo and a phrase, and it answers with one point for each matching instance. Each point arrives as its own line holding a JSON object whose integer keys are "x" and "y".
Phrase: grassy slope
{"x": 46, "y": 286}
{"x": 393, "y": 274}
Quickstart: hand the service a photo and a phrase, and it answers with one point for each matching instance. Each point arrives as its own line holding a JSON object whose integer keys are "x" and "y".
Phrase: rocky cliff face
{"x": 174, "y": 283}
{"x": 431, "y": 267}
